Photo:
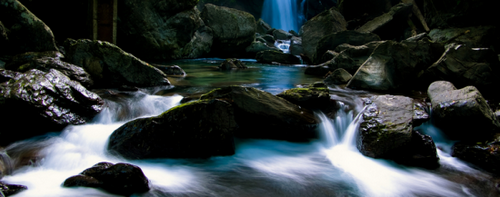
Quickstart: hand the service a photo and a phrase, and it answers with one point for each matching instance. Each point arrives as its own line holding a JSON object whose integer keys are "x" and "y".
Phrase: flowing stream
{"x": 330, "y": 166}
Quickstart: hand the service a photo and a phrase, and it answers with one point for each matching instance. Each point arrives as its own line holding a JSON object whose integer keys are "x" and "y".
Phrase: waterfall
{"x": 281, "y": 14}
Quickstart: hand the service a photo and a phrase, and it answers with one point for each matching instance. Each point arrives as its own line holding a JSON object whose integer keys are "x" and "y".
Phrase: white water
{"x": 281, "y": 14}
{"x": 329, "y": 167}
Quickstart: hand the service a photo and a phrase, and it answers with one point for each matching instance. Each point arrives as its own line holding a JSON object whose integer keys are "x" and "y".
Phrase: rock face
{"x": 233, "y": 30}
{"x": 159, "y": 29}
{"x": 277, "y": 56}
{"x": 37, "y": 102}
{"x": 465, "y": 106}
{"x": 311, "y": 97}
{"x": 330, "y": 42}
{"x": 260, "y": 114}
{"x": 21, "y": 31}
{"x": 109, "y": 66}
{"x": 193, "y": 130}
{"x": 389, "y": 25}
{"x": 231, "y": 63}
{"x": 121, "y": 178}
{"x": 314, "y": 30}
{"x": 386, "y": 132}
{"x": 483, "y": 154}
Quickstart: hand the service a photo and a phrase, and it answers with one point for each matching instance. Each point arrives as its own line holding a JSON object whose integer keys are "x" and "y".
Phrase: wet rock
{"x": 421, "y": 113}
{"x": 338, "y": 77}
{"x": 282, "y": 34}
{"x": 200, "y": 44}
{"x": 277, "y": 118}
{"x": 234, "y": 30}
{"x": 452, "y": 13}
{"x": 389, "y": 25}
{"x": 257, "y": 47}
{"x": 231, "y": 63}
{"x": 351, "y": 57}
{"x": 121, "y": 178}
{"x": 310, "y": 97}
{"x": 109, "y": 66}
{"x": 330, "y": 42}
{"x": 484, "y": 154}
{"x": 296, "y": 47}
{"x": 21, "y": 31}
{"x": 197, "y": 129}
{"x": 277, "y": 56}
{"x": 328, "y": 22}
{"x": 358, "y": 12}
{"x": 387, "y": 132}
{"x": 171, "y": 70}
{"x": 45, "y": 61}
{"x": 474, "y": 37}
{"x": 318, "y": 70}
{"x": 262, "y": 27}
{"x": 11, "y": 189}
{"x": 315, "y": 7}
{"x": 462, "y": 114}
{"x": 47, "y": 101}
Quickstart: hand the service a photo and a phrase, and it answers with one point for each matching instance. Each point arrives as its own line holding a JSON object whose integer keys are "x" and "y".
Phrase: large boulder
{"x": 465, "y": 106}
{"x": 315, "y": 96}
{"x": 36, "y": 102}
{"x": 330, "y": 42}
{"x": 21, "y": 31}
{"x": 386, "y": 131}
{"x": 337, "y": 77}
{"x": 452, "y": 13}
{"x": 192, "y": 130}
{"x": 200, "y": 45}
{"x": 474, "y": 37}
{"x": 484, "y": 154}
{"x": 258, "y": 46}
{"x": 260, "y": 114}
{"x": 110, "y": 66}
{"x": 328, "y": 22}
{"x": 296, "y": 47}
{"x": 121, "y": 178}
{"x": 277, "y": 57}
{"x": 232, "y": 63}
{"x": 233, "y": 30}
{"x": 389, "y": 25}
{"x": 314, "y": 7}
{"x": 358, "y": 12}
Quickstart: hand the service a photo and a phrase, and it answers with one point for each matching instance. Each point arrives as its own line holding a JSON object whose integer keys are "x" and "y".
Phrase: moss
{"x": 183, "y": 105}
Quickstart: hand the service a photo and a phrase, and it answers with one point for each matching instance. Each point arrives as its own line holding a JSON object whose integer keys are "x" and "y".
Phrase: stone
{"x": 257, "y": 47}
{"x": 21, "y": 31}
{"x": 465, "y": 106}
{"x": 280, "y": 34}
{"x": 315, "y": 7}
{"x": 452, "y": 13}
{"x": 318, "y": 70}
{"x": 200, "y": 44}
{"x": 358, "y": 12}
{"x": 171, "y": 70}
{"x": 11, "y": 189}
{"x": 198, "y": 129}
{"x": 473, "y": 37}
{"x": 262, "y": 115}
{"x": 328, "y": 22}
{"x": 310, "y": 97}
{"x": 337, "y": 77}
{"x": 231, "y": 63}
{"x": 296, "y": 47}
{"x": 389, "y": 25}
{"x": 278, "y": 57}
{"x": 36, "y": 102}
{"x": 262, "y": 27}
{"x": 109, "y": 66}
{"x": 350, "y": 57}
{"x": 484, "y": 154}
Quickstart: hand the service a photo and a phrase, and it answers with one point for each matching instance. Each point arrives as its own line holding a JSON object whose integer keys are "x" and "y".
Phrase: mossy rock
{"x": 310, "y": 97}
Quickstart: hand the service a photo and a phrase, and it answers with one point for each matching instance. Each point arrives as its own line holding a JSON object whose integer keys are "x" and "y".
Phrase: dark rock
{"x": 197, "y": 129}
{"x": 358, "y": 12}
{"x": 16, "y": 61}
{"x": 421, "y": 152}
{"x": 473, "y": 37}
{"x": 21, "y": 31}
{"x": 329, "y": 55}
{"x": 200, "y": 44}
{"x": 296, "y": 47}
{"x": 10, "y": 189}
{"x": 350, "y": 57}
{"x": 277, "y": 56}
{"x": 452, "y": 13}
{"x": 314, "y": 30}
{"x": 110, "y": 66}
{"x": 389, "y": 25}
{"x": 48, "y": 101}
{"x": 231, "y": 63}
{"x": 465, "y": 106}
{"x": 337, "y": 77}
{"x": 269, "y": 39}
{"x": 260, "y": 114}
{"x": 310, "y": 97}
{"x": 234, "y": 30}
{"x": 282, "y": 34}
{"x": 257, "y": 47}
{"x": 262, "y": 27}
{"x": 330, "y": 42}
{"x": 315, "y": 7}
{"x": 421, "y": 113}
{"x": 417, "y": 37}
{"x": 318, "y": 70}
{"x": 484, "y": 154}
{"x": 121, "y": 178}
{"x": 171, "y": 70}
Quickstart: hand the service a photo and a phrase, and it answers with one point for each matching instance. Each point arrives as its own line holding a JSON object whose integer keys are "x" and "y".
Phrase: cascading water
{"x": 281, "y": 14}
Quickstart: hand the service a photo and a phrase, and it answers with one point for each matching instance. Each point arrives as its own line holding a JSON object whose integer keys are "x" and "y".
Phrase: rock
{"x": 277, "y": 56}
{"x": 386, "y": 132}
{"x": 269, "y": 39}
{"x": 315, "y": 7}
{"x": 358, "y": 12}
{"x": 452, "y": 13}
{"x": 262, "y": 27}
{"x": 37, "y": 102}
{"x": 465, "y": 106}
{"x": 484, "y": 154}
{"x": 197, "y": 129}
{"x": 159, "y": 29}
{"x": 296, "y": 47}
{"x": 463, "y": 66}
{"x": 45, "y": 61}
{"x": 231, "y": 63}
{"x": 22, "y": 31}
{"x": 473, "y": 37}
{"x": 351, "y": 57}
{"x": 421, "y": 113}
{"x": 260, "y": 114}
{"x": 121, "y": 178}
{"x": 318, "y": 70}
{"x": 280, "y": 34}
{"x": 10, "y": 189}
{"x": 310, "y": 97}
{"x": 337, "y": 77}
{"x": 257, "y": 47}
{"x": 234, "y": 30}
{"x": 314, "y": 30}
{"x": 109, "y": 66}
{"x": 171, "y": 70}
{"x": 200, "y": 44}
{"x": 417, "y": 37}
{"x": 389, "y": 25}
{"x": 330, "y": 42}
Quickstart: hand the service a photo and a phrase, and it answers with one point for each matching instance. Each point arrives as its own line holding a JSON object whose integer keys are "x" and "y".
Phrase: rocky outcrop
{"x": 233, "y": 30}
{"x": 315, "y": 96}
{"x": 314, "y": 30}
{"x": 260, "y": 114}
{"x": 277, "y": 57}
{"x": 231, "y": 63}
{"x": 200, "y": 44}
{"x": 465, "y": 106}
{"x": 197, "y": 129}
{"x": 330, "y": 42}
{"x": 484, "y": 154}
{"x": 296, "y": 47}
{"x": 121, "y": 178}
{"x": 387, "y": 132}
{"x": 110, "y": 66}
{"x": 337, "y": 77}
{"x": 389, "y": 25}
{"x": 37, "y": 102}
{"x": 21, "y": 31}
